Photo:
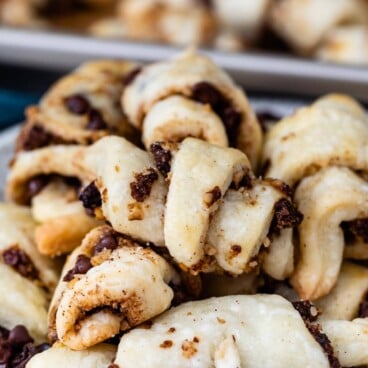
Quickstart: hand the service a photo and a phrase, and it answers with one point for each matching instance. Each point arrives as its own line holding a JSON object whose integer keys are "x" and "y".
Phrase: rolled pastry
{"x": 345, "y": 44}
{"x": 79, "y": 108}
{"x": 59, "y": 356}
{"x": 109, "y": 284}
{"x": 326, "y": 199}
{"x": 347, "y": 300}
{"x": 22, "y": 302}
{"x": 127, "y": 189}
{"x": 234, "y": 331}
{"x": 26, "y": 277}
{"x": 18, "y": 249}
{"x": 332, "y": 131}
{"x": 190, "y": 96}
{"x": 303, "y": 25}
{"x": 172, "y": 21}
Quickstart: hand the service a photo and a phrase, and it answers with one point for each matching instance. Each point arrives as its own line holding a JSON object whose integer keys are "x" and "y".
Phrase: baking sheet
{"x": 259, "y": 72}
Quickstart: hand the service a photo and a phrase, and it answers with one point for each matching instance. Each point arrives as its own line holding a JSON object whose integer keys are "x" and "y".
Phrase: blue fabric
{"x": 12, "y": 105}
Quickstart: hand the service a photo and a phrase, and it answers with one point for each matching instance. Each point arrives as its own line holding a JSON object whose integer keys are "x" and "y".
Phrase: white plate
{"x": 253, "y": 70}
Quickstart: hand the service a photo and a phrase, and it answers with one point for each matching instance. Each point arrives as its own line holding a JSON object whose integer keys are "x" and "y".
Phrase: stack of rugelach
{"x": 190, "y": 234}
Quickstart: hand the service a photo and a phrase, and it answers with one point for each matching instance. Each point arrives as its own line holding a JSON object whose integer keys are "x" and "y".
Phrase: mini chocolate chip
{"x": 206, "y": 93}
{"x": 140, "y": 189}
{"x": 81, "y": 267}
{"x": 355, "y": 229}
{"x": 19, "y": 336}
{"x": 162, "y": 158}
{"x": 307, "y": 310}
{"x": 35, "y": 185}
{"x": 37, "y": 137}
{"x": 286, "y": 216}
{"x": 19, "y": 261}
{"x": 83, "y": 264}
{"x": 113, "y": 366}
{"x": 129, "y": 78}
{"x": 73, "y": 182}
{"x": 96, "y": 121}
{"x": 91, "y": 197}
{"x": 5, "y": 354}
{"x": 108, "y": 241}
{"x": 77, "y": 104}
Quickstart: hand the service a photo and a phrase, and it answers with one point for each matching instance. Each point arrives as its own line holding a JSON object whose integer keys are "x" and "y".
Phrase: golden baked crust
{"x": 109, "y": 284}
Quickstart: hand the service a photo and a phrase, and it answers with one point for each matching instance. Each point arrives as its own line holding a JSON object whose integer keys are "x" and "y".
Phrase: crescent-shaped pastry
{"x": 18, "y": 249}
{"x": 127, "y": 189}
{"x": 303, "y": 25}
{"x": 347, "y": 300}
{"x": 22, "y": 302}
{"x": 26, "y": 277}
{"x": 326, "y": 199}
{"x": 235, "y": 331}
{"x": 345, "y": 44}
{"x": 333, "y": 131}
{"x": 109, "y": 284}
{"x": 79, "y": 108}
{"x": 193, "y": 79}
{"x": 59, "y": 356}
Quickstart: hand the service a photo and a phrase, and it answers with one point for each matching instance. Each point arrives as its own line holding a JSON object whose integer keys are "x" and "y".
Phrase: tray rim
{"x": 258, "y": 71}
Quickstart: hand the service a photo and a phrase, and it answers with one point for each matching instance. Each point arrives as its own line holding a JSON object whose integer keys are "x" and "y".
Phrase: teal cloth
{"x": 12, "y": 105}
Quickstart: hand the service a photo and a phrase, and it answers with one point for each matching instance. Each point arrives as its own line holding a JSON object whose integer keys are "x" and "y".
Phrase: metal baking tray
{"x": 256, "y": 71}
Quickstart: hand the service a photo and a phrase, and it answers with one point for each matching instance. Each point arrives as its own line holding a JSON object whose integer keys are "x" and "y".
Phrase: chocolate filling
{"x": 96, "y": 121}
{"x": 305, "y": 310}
{"x": 141, "y": 188}
{"x": 37, "y": 137}
{"x": 280, "y": 186}
{"x": 20, "y": 262}
{"x": 355, "y": 229}
{"x": 129, "y": 78}
{"x": 81, "y": 267}
{"x": 90, "y": 197}
{"x": 206, "y": 93}
{"x": 77, "y": 104}
{"x": 107, "y": 241}
{"x": 212, "y": 196}
{"x": 162, "y": 158}
{"x": 286, "y": 216}
{"x": 17, "y": 348}
{"x": 35, "y": 186}
{"x": 325, "y": 344}
{"x": 363, "y": 308}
